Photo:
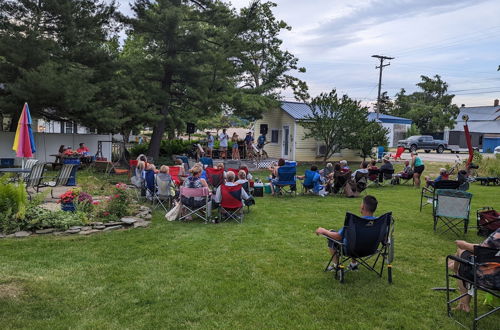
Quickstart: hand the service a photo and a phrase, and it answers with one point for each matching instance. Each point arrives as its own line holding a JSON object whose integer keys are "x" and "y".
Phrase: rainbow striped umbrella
{"x": 24, "y": 141}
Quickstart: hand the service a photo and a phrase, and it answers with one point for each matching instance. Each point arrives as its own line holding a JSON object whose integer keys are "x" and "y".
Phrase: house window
{"x": 274, "y": 136}
{"x": 68, "y": 127}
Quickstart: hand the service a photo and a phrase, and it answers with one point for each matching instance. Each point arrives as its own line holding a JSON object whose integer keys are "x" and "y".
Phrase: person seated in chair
{"x": 274, "y": 173}
{"x": 487, "y": 276}
{"x": 343, "y": 166}
{"x": 340, "y": 177}
{"x": 385, "y": 169}
{"x": 373, "y": 167}
{"x": 368, "y": 208}
{"x": 194, "y": 181}
{"x": 407, "y": 172}
{"x": 312, "y": 181}
{"x": 443, "y": 175}
{"x": 327, "y": 172}
{"x": 230, "y": 182}
{"x": 363, "y": 169}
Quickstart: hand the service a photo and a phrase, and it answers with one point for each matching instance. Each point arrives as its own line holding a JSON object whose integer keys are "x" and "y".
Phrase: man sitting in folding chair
{"x": 360, "y": 239}
{"x": 476, "y": 267}
{"x": 312, "y": 182}
{"x": 230, "y": 197}
{"x": 285, "y": 183}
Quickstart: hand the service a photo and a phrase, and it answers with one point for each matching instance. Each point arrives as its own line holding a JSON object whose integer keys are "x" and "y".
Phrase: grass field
{"x": 265, "y": 273}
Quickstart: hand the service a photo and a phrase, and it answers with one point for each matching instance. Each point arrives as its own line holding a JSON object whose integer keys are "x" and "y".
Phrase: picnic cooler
{"x": 267, "y": 188}
{"x": 258, "y": 190}
{"x": 291, "y": 163}
{"x": 6, "y": 162}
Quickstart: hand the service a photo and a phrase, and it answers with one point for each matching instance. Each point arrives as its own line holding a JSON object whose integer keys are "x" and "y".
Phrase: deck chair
{"x": 207, "y": 161}
{"x": 185, "y": 162}
{"x": 484, "y": 260}
{"x": 174, "y": 174}
{"x": 215, "y": 177}
{"x": 190, "y": 206}
{"x": 35, "y": 178}
{"x": 137, "y": 183}
{"x": 61, "y": 178}
{"x": 29, "y": 165}
{"x": 286, "y": 183}
{"x": 340, "y": 180}
{"x": 428, "y": 194}
{"x": 366, "y": 241}
{"x": 231, "y": 206}
{"x": 488, "y": 220}
{"x": 163, "y": 193}
{"x": 399, "y": 152}
{"x": 452, "y": 209}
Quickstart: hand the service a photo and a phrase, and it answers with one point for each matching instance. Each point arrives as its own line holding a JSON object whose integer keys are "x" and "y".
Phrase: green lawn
{"x": 266, "y": 273}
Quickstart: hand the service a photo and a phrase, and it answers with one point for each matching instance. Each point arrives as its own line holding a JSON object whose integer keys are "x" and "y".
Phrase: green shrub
{"x": 13, "y": 202}
{"x": 39, "y": 218}
{"x": 490, "y": 166}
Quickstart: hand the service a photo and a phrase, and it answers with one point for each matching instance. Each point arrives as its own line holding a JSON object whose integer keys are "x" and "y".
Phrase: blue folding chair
{"x": 365, "y": 239}
{"x": 150, "y": 183}
{"x": 286, "y": 182}
{"x": 207, "y": 161}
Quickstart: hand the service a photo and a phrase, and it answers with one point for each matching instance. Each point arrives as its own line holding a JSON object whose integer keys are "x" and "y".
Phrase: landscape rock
{"x": 72, "y": 231}
{"x": 96, "y": 223}
{"x": 144, "y": 208}
{"x": 11, "y": 235}
{"x": 2, "y": 236}
{"x": 143, "y": 214}
{"x": 130, "y": 220}
{"x": 99, "y": 227}
{"x": 45, "y": 231}
{"x": 85, "y": 228}
{"x": 114, "y": 223}
{"x": 22, "y": 234}
{"x": 141, "y": 224}
{"x": 75, "y": 227}
{"x": 88, "y": 232}
{"x": 113, "y": 228}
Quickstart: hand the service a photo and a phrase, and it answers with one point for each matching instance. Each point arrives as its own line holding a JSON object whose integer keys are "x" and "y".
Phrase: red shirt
{"x": 82, "y": 150}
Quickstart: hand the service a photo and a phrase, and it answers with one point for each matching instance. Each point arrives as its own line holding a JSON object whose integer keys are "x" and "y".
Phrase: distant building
{"x": 484, "y": 126}
{"x": 286, "y": 136}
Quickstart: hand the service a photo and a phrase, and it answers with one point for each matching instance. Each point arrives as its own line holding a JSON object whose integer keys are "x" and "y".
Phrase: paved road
{"x": 445, "y": 157}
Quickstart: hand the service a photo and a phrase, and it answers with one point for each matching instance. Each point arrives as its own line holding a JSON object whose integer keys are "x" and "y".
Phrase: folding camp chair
{"x": 231, "y": 206}
{"x": 251, "y": 201}
{"x": 428, "y": 194}
{"x": 185, "y": 162}
{"x": 286, "y": 182}
{"x": 207, "y": 161}
{"x": 484, "y": 260}
{"x": 215, "y": 177}
{"x": 452, "y": 209}
{"x": 190, "y": 206}
{"x": 365, "y": 239}
{"x": 174, "y": 174}
{"x": 234, "y": 170}
{"x": 29, "y": 165}
{"x": 132, "y": 165}
{"x": 385, "y": 175}
{"x": 488, "y": 220}
{"x": 163, "y": 192}
{"x": 150, "y": 184}
{"x": 373, "y": 175}
{"x": 308, "y": 183}
{"x": 340, "y": 180}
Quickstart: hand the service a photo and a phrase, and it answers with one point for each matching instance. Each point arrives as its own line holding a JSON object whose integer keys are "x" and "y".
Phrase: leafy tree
{"x": 368, "y": 136}
{"x": 338, "y": 122}
{"x": 413, "y": 130}
{"x": 54, "y": 55}
{"x": 431, "y": 108}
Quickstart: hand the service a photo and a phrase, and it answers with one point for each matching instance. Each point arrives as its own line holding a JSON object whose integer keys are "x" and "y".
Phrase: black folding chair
{"x": 428, "y": 194}
{"x": 452, "y": 210}
{"x": 484, "y": 259}
{"x": 367, "y": 241}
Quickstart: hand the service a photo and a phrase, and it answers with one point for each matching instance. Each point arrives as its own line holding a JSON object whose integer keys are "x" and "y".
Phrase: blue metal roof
{"x": 300, "y": 111}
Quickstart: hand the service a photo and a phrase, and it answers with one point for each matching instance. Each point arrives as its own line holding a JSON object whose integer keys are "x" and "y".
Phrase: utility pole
{"x": 380, "y": 67}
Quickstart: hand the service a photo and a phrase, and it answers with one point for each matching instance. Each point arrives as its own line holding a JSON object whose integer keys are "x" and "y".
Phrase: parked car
{"x": 497, "y": 150}
{"x": 425, "y": 142}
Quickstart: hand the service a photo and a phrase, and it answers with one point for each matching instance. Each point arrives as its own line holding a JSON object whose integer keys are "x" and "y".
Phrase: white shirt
{"x": 218, "y": 193}
{"x": 223, "y": 139}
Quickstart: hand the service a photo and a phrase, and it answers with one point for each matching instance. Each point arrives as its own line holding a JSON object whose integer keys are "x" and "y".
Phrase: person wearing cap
{"x": 387, "y": 165}
{"x": 443, "y": 175}
{"x": 210, "y": 144}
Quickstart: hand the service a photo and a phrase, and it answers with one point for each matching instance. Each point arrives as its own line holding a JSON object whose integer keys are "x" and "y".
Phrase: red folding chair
{"x": 231, "y": 205}
{"x": 234, "y": 170}
{"x": 399, "y": 152}
{"x": 174, "y": 173}
{"x": 215, "y": 177}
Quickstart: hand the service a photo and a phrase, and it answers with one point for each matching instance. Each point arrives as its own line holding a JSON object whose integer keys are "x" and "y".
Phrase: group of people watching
{"x": 67, "y": 151}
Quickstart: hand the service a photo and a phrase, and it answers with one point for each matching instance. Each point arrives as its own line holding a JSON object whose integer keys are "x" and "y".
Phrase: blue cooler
{"x": 6, "y": 162}
{"x": 291, "y": 163}
{"x": 72, "y": 176}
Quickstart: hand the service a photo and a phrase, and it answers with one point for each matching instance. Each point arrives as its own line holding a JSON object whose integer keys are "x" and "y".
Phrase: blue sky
{"x": 334, "y": 40}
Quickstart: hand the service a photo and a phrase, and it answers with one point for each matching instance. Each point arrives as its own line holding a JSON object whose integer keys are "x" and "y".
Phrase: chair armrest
{"x": 425, "y": 189}
{"x": 333, "y": 240}
{"x": 458, "y": 259}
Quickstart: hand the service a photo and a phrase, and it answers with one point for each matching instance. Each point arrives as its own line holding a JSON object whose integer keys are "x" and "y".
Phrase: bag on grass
{"x": 173, "y": 214}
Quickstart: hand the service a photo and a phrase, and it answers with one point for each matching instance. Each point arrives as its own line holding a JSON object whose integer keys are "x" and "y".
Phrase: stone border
{"x": 141, "y": 220}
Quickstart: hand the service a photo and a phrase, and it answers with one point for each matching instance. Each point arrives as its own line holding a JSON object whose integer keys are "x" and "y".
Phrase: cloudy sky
{"x": 334, "y": 40}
